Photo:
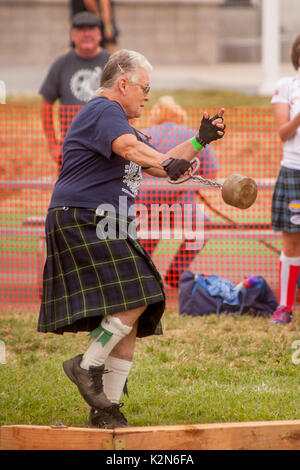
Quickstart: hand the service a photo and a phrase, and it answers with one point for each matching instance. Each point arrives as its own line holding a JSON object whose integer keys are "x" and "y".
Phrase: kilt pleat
{"x": 86, "y": 278}
{"x": 286, "y": 201}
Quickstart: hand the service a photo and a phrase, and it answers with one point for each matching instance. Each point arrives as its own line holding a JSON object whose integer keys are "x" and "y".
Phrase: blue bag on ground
{"x": 202, "y": 295}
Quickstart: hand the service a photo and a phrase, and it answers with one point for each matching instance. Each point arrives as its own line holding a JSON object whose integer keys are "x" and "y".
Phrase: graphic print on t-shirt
{"x": 85, "y": 82}
{"x": 132, "y": 178}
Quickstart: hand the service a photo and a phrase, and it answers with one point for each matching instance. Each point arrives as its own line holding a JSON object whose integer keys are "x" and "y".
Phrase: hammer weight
{"x": 237, "y": 190}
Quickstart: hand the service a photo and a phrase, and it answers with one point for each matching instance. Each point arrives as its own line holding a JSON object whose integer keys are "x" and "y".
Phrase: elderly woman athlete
{"x": 96, "y": 280}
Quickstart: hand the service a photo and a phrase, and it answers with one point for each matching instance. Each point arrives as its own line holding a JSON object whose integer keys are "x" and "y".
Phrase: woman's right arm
{"x": 286, "y": 127}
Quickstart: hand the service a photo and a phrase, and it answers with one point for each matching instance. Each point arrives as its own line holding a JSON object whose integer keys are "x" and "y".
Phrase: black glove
{"x": 208, "y": 131}
{"x": 175, "y": 167}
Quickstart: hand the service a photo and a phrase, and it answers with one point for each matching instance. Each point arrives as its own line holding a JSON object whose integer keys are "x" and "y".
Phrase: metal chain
{"x": 207, "y": 181}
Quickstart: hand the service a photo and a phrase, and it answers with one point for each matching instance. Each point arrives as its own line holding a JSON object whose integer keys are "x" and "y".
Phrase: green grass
{"x": 11, "y": 219}
{"x": 222, "y": 248}
{"x": 212, "y": 98}
{"x": 212, "y": 248}
{"x": 19, "y": 245}
{"x": 23, "y": 99}
{"x": 188, "y": 98}
{"x": 202, "y": 370}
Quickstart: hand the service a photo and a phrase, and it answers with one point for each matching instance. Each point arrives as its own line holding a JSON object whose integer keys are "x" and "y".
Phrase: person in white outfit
{"x": 286, "y": 196}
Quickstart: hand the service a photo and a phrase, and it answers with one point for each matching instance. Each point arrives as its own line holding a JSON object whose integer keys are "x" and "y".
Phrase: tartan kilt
{"x": 286, "y": 201}
{"x": 86, "y": 278}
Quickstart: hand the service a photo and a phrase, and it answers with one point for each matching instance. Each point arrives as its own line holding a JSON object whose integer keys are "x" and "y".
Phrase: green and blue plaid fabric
{"x": 86, "y": 278}
{"x": 286, "y": 201}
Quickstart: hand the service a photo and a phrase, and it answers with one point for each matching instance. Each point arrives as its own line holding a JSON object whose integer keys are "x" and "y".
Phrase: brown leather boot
{"x": 107, "y": 418}
{"x": 89, "y": 382}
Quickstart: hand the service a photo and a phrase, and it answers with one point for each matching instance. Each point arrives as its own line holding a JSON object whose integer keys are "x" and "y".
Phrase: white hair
{"x": 120, "y": 63}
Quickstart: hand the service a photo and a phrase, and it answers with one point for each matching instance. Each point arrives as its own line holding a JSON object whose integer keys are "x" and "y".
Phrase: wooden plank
{"x": 24, "y": 437}
{"x": 273, "y": 435}
{"x": 262, "y": 435}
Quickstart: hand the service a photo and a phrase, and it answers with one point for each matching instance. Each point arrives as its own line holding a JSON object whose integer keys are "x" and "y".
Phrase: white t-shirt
{"x": 288, "y": 91}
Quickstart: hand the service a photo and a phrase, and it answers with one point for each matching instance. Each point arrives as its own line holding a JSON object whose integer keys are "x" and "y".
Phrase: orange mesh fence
{"x": 221, "y": 240}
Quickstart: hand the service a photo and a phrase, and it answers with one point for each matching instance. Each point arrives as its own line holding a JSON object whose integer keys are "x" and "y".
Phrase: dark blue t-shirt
{"x": 91, "y": 174}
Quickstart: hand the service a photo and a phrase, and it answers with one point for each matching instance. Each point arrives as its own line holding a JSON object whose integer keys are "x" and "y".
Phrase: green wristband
{"x": 196, "y": 144}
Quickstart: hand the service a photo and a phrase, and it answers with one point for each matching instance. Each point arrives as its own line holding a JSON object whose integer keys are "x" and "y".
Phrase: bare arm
{"x": 132, "y": 149}
{"x": 48, "y": 127}
{"x": 103, "y": 8}
{"x": 106, "y": 16}
{"x": 128, "y": 146}
{"x": 92, "y": 6}
{"x": 286, "y": 127}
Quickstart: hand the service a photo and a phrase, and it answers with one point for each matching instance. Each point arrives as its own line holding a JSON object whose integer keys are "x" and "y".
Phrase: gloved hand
{"x": 176, "y": 167}
{"x": 209, "y": 131}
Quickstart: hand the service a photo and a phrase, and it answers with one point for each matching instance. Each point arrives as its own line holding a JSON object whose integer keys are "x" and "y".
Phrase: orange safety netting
{"x": 234, "y": 243}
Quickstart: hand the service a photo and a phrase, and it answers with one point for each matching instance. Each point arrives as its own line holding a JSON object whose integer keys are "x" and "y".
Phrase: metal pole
{"x": 270, "y": 46}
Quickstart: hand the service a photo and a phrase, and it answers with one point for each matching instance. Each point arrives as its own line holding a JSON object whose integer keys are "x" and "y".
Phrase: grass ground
{"x": 202, "y": 370}
{"x": 187, "y": 98}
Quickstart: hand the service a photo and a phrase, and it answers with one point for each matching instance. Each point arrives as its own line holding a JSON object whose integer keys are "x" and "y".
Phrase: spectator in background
{"x": 73, "y": 78}
{"x": 286, "y": 196}
{"x": 104, "y": 9}
{"x": 168, "y": 128}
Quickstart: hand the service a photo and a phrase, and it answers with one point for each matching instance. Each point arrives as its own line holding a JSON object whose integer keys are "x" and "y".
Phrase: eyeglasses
{"x": 145, "y": 89}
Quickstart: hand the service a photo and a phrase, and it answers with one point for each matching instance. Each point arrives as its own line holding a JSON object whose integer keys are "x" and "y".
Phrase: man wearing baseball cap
{"x": 84, "y": 18}
{"x": 73, "y": 78}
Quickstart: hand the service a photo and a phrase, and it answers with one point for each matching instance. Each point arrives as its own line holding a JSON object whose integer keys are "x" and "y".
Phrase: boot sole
{"x": 104, "y": 424}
